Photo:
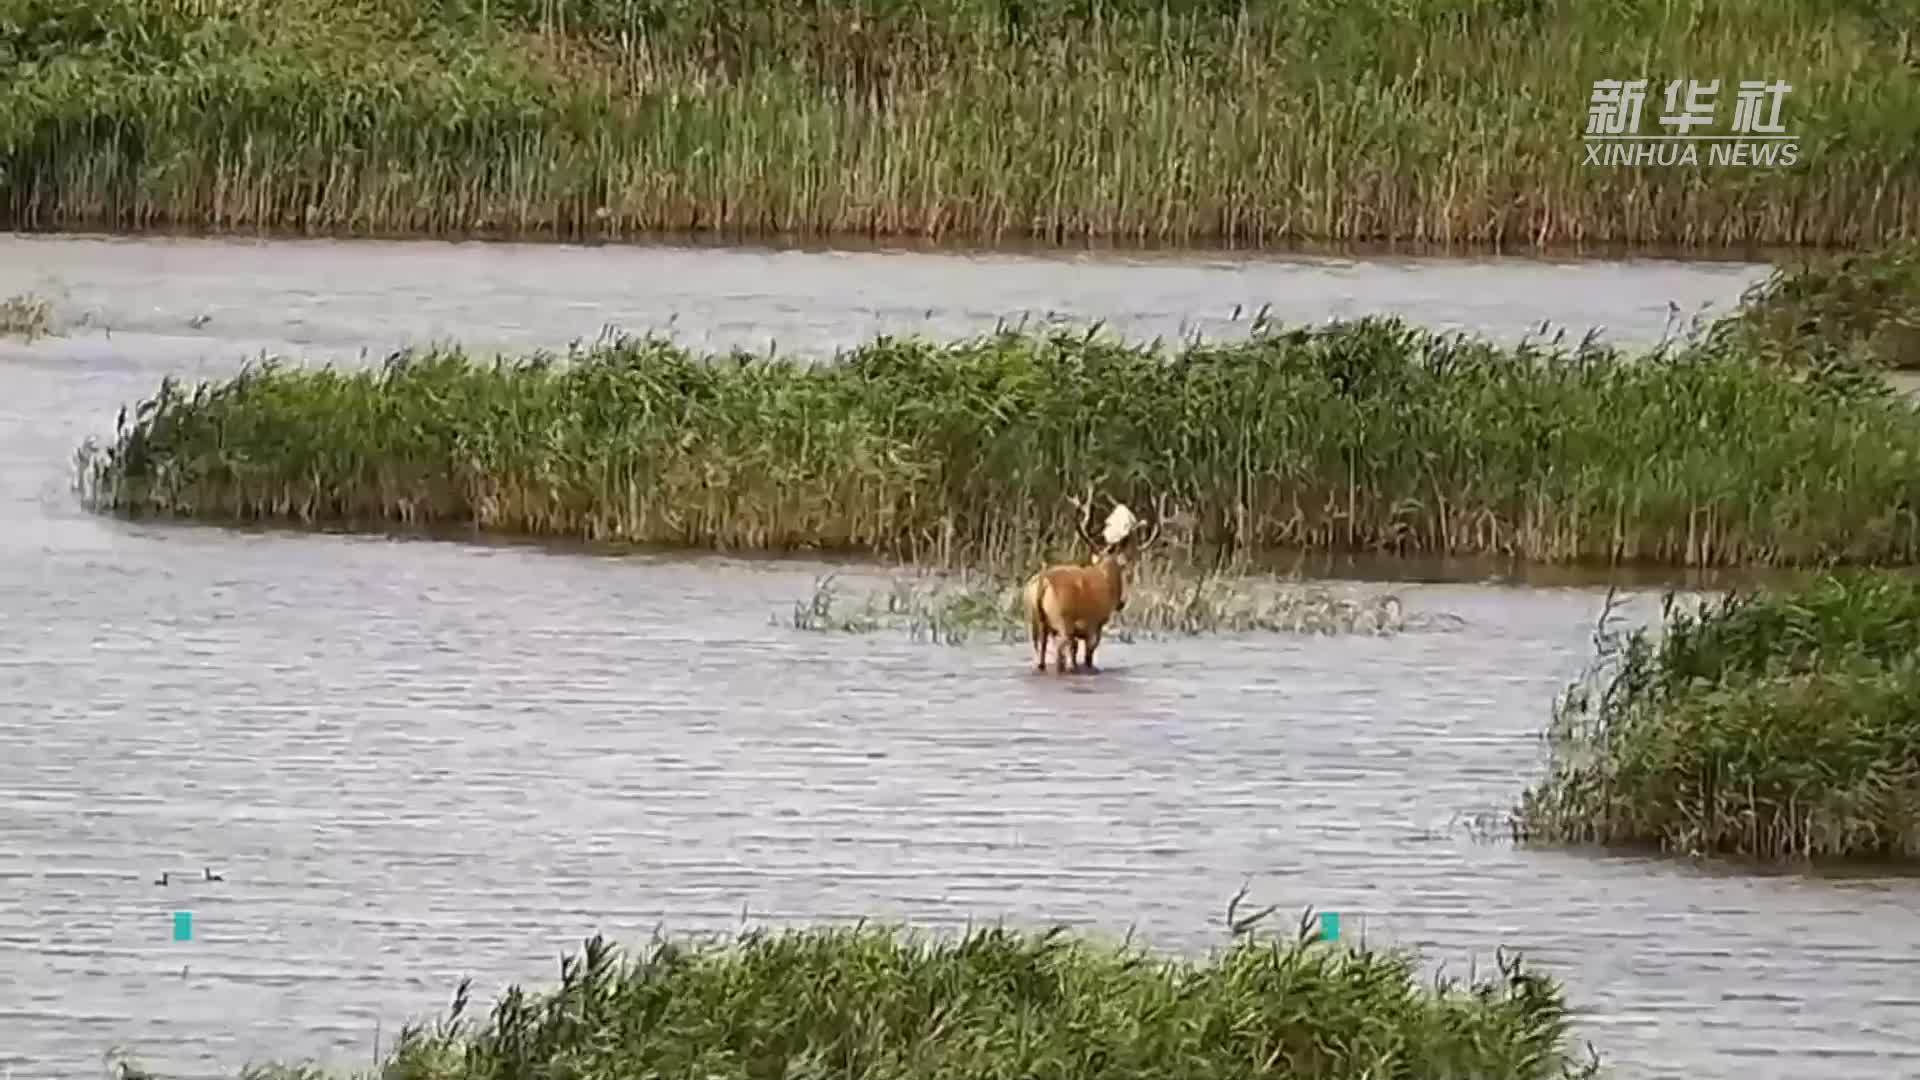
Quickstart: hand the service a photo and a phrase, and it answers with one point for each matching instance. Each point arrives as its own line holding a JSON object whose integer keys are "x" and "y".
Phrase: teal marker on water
{"x": 183, "y": 926}
{"x": 1330, "y": 926}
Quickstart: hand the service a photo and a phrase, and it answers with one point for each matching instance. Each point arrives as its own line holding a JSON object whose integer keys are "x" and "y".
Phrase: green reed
{"x": 995, "y": 1002}
{"x": 1369, "y": 435}
{"x": 1256, "y": 123}
{"x": 1774, "y": 725}
{"x": 1857, "y": 310}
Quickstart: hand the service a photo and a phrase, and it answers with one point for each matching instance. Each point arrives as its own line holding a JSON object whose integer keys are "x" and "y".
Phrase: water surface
{"x": 413, "y": 761}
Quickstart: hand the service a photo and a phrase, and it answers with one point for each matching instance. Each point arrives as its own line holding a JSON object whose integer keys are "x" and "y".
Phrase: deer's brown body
{"x": 1074, "y": 603}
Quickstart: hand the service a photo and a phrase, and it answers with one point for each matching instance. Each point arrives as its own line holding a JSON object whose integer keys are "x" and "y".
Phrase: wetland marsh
{"x": 414, "y": 761}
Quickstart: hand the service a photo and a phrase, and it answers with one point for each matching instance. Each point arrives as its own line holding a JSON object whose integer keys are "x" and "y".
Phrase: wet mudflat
{"x": 413, "y": 760}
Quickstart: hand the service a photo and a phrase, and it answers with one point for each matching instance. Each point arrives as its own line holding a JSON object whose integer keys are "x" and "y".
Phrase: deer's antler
{"x": 1085, "y": 521}
{"x": 1159, "y": 522}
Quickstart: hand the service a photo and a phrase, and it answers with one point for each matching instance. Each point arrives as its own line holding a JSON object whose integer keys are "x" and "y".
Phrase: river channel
{"x": 410, "y": 761}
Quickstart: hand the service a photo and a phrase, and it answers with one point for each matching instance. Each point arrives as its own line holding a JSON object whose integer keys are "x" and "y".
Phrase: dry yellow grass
{"x": 1410, "y": 121}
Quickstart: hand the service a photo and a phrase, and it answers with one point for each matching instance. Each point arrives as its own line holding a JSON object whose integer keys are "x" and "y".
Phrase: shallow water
{"x": 413, "y": 761}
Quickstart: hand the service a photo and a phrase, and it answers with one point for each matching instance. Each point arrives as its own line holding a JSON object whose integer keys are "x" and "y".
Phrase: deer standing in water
{"x": 1074, "y": 603}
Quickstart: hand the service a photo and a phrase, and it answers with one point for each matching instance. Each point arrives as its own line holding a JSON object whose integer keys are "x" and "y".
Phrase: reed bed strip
{"x": 1852, "y": 310}
{"x": 1254, "y": 124}
{"x": 1362, "y": 436}
{"x": 1773, "y": 726}
{"x": 870, "y": 1001}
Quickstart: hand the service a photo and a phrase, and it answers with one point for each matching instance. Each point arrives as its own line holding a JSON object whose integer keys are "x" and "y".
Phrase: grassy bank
{"x": 870, "y": 1002}
{"x": 1775, "y": 725}
{"x": 1858, "y": 310}
{"x": 1368, "y": 436}
{"x": 1261, "y": 122}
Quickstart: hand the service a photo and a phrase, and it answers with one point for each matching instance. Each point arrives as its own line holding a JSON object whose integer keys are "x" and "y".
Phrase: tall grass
{"x": 1775, "y": 725}
{"x": 1858, "y": 310}
{"x": 1356, "y": 436}
{"x": 1255, "y": 123}
{"x": 868, "y": 1002}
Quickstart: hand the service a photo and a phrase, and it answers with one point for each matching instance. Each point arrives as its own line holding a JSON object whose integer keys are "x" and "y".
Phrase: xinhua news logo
{"x": 1757, "y": 137}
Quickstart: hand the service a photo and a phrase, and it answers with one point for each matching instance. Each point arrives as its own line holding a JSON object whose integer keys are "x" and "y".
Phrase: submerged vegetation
{"x": 1364, "y": 436}
{"x": 1159, "y": 601}
{"x": 26, "y": 316}
{"x": 1775, "y": 725}
{"x": 1247, "y": 121}
{"x": 995, "y": 1002}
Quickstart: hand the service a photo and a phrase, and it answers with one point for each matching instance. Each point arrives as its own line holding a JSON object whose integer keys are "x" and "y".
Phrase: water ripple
{"x": 412, "y": 762}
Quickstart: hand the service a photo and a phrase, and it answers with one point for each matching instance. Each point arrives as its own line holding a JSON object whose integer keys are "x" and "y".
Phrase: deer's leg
{"x": 1040, "y": 636}
{"x": 1063, "y": 652}
{"x": 1093, "y": 642}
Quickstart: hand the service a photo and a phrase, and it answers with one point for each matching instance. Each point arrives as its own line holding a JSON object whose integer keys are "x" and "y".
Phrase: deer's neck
{"x": 1116, "y": 578}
